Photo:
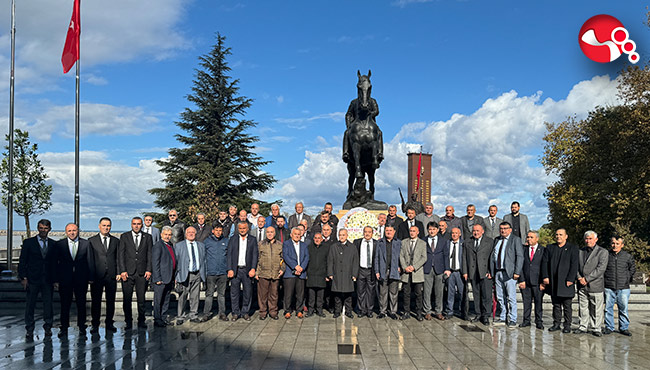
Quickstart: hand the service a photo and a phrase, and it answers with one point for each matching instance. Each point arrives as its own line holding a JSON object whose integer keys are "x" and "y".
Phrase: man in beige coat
{"x": 412, "y": 258}
{"x": 592, "y": 264}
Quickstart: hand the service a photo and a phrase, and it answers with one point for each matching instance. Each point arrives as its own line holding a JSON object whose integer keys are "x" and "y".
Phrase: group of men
{"x": 433, "y": 259}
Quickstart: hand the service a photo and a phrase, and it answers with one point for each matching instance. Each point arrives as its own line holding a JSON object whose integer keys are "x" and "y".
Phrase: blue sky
{"x": 471, "y": 81}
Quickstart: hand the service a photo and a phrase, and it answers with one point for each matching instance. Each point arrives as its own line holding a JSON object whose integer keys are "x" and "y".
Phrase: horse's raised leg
{"x": 350, "y": 178}
{"x": 371, "y": 182}
{"x": 356, "y": 153}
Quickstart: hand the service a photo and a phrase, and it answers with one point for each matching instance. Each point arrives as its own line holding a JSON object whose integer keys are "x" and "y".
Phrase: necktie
{"x": 137, "y": 242}
{"x": 146, "y": 230}
{"x": 105, "y": 243}
{"x": 43, "y": 247}
{"x": 492, "y": 223}
{"x": 453, "y": 257}
{"x": 476, "y": 245}
{"x": 499, "y": 264}
{"x": 532, "y": 253}
{"x": 368, "y": 263}
{"x": 193, "y": 258}
{"x": 259, "y": 235}
{"x": 74, "y": 249}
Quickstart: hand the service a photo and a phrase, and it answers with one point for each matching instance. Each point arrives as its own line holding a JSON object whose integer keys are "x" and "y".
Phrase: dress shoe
{"x": 309, "y": 313}
{"x": 440, "y": 317}
{"x": 168, "y": 323}
{"x": 485, "y": 322}
{"x": 381, "y": 316}
{"x": 234, "y": 318}
{"x": 554, "y": 328}
{"x": 223, "y": 317}
{"x": 361, "y": 314}
{"x": 159, "y": 324}
{"x": 143, "y": 325}
{"x": 94, "y": 330}
{"x": 499, "y": 322}
{"x": 111, "y": 328}
{"x": 247, "y": 317}
{"x": 180, "y": 321}
{"x": 392, "y": 316}
{"x": 607, "y": 331}
{"x": 287, "y": 315}
{"x": 427, "y": 317}
{"x": 625, "y": 332}
{"x": 48, "y": 332}
{"x": 524, "y": 325}
{"x": 336, "y": 315}
{"x": 539, "y": 326}
{"x": 321, "y": 314}
{"x": 475, "y": 319}
{"x": 597, "y": 334}
{"x": 262, "y": 317}
{"x": 195, "y": 320}
{"x": 512, "y": 324}
{"x": 566, "y": 330}
{"x": 579, "y": 331}
{"x": 369, "y": 315}
{"x": 405, "y": 316}
{"x": 350, "y": 315}
{"x": 300, "y": 315}
{"x": 63, "y": 333}
{"x": 419, "y": 318}
{"x": 275, "y": 317}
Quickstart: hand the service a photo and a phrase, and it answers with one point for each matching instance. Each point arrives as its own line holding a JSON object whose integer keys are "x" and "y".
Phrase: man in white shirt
{"x": 455, "y": 283}
{"x": 189, "y": 274}
{"x": 366, "y": 281}
{"x": 294, "y": 219}
{"x": 150, "y": 229}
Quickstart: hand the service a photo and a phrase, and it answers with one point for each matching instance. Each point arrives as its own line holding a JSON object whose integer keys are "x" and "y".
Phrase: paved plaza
{"x": 322, "y": 343}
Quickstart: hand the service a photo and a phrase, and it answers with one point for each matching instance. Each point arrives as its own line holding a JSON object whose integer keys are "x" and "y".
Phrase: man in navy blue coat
{"x": 435, "y": 268}
{"x": 242, "y": 262}
{"x": 163, "y": 264}
{"x": 387, "y": 265}
{"x": 296, "y": 259}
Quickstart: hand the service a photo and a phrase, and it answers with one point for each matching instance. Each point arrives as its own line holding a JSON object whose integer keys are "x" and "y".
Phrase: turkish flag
{"x": 71, "y": 48}
{"x": 419, "y": 171}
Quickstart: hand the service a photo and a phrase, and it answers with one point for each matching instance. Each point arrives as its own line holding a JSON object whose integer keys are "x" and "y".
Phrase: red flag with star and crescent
{"x": 71, "y": 48}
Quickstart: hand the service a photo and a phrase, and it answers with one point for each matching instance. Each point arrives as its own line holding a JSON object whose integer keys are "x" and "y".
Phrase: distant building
{"x": 424, "y": 193}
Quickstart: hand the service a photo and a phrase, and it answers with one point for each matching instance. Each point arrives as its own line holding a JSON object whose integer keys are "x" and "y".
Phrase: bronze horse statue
{"x": 363, "y": 144}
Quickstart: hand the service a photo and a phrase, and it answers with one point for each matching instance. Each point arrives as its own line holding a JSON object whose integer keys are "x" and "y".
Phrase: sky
{"x": 472, "y": 82}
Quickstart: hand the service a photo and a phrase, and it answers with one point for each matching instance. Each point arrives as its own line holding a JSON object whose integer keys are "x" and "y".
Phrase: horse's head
{"x": 363, "y": 89}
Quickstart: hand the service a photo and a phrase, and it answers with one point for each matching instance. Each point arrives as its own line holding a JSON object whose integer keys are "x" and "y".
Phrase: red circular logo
{"x": 603, "y": 39}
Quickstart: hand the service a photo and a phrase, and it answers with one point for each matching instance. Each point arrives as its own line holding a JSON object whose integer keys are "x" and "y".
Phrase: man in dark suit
{"x": 178, "y": 226}
{"x": 435, "y": 268}
{"x": 492, "y": 223}
{"x": 476, "y": 260}
{"x": 104, "y": 248}
{"x": 134, "y": 262}
{"x": 405, "y": 226}
{"x": 34, "y": 272}
{"x": 296, "y": 261}
{"x": 468, "y": 221}
{"x": 506, "y": 263}
{"x": 281, "y": 232}
{"x": 203, "y": 230}
{"x": 294, "y": 219}
{"x": 559, "y": 271}
{"x": 393, "y": 219}
{"x": 366, "y": 281}
{"x": 150, "y": 229}
{"x": 519, "y": 221}
{"x": 530, "y": 279}
{"x": 388, "y": 271}
{"x": 455, "y": 283}
{"x": 163, "y": 264}
{"x": 190, "y": 255}
{"x": 323, "y": 219}
{"x": 242, "y": 262}
{"x": 73, "y": 265}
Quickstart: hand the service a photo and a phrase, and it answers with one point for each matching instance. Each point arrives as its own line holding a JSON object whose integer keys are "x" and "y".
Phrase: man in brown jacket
{"x": 270, "y": 267}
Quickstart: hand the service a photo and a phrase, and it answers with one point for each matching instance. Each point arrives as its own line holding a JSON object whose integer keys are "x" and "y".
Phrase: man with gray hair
{"x": 492, "y": 223}
{"x": 190, "y": 255}
{"x": 296, "y": 218}
{"x": 592, "y": 264}
{"x": 273, "y": 218}
{"x": 427, "y": 216}
{"x": 203, "y": 231}
{"x": 178, "y": 226}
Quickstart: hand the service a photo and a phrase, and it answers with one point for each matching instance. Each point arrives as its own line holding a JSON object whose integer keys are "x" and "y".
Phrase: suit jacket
{"x": 459, "y": 253}
{"x": 593, "y": 269}
{"x": 282, "y": 235}
{"x": 417, "y": 260}
{"x": 33, "y": 265}
{"x": 293, "y": 220}
{"x": 252, "y": 253}
{"x": 134, "y": 261}
{"x": 465, "y": 231}
{"x": 492, "y": 231}
{"x": 381, "y": 258}
{"x": 254, "y": 232}
{"x": 524, "y": 225}
{"x": 477, "y": 259}
{"x": 559, "y": 266}
{"x": 201, "y": 235}
{"x": 105, "y": 259}
{"x": 183, "y": 260}
{"x": 514, "y": 256}
{"x": 438, "y": 257}
{"x": 69, "y": 271}
{"x": 531, "y": 271}
{"x": 154, "y": 232}
{"x": 359, "y": 243}
{"x": 162, "y": 263}
{"x": 291, "y": 260}
{"x": 403, "y": 230}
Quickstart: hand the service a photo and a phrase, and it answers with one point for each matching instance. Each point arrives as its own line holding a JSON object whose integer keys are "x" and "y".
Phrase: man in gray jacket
{"x": 413, "y": 256}
{"x": 506, "y": 264}
{"x": 518, "y": 221}
{"x": 592, "y": 264}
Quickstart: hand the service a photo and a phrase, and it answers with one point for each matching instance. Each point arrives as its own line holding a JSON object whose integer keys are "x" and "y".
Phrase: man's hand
{"x": 582, "y": 281}
{"x": 257, "y": 277}
{"x": 158, "y": 282}
{"x": 542, "y": 286}
{"x": 56, "y": 286}
{"x": 331, "y": 278}
{"x": 546, "y": 281}
{"x": 448, "y": 273}
{"x": 24, "y": 283}
{"x": 231, "y": 274}
{"x": 118, "y": 277}
{"x": 515, "y": 276}
{"x": 298, "y": 269}
{"x": 251, "y": 273}
{"x": 399, "y": 270}
{"x": 147, "y": 275}
{"x": 569, "y": 283}
{"x": 522, "y": 285}
{"x": 377, "y": 274}
{"x": 354, "y": 279}
{"x": 124, "y": 275}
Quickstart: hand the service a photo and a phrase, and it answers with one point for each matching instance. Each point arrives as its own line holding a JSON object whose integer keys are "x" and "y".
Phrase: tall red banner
{"x": 71, "y": 48}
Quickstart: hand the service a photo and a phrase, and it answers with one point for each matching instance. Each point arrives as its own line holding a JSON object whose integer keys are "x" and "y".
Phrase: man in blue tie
{"x": 190, "y": 254}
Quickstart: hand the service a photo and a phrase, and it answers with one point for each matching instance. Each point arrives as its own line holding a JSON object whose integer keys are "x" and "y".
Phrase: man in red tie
{"x": 530, "y": 279}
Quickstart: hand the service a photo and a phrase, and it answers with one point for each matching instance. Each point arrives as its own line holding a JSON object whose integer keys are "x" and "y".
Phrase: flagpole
{"x": 76, "y": 128}
{"x": 10, "y": 190}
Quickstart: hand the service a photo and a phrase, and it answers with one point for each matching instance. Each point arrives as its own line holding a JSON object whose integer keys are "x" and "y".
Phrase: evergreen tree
{"x": 216, "y": 164}
{"x": 31, "y": 194}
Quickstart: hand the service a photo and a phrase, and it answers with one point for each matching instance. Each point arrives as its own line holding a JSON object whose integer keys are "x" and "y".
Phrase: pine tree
{"x": 216, "y": 164}
{"x": 31, "y": 194}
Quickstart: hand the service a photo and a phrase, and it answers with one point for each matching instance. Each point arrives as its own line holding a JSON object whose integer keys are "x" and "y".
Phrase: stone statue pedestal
{"x": 362, "y": 197}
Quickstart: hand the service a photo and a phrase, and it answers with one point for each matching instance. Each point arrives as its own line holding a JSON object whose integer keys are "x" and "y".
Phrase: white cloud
{"x": 487, "y": 157}
{"x": 403, "y": 3}
{"x": 279, "y": 99}
{"x": 302, "y": 122}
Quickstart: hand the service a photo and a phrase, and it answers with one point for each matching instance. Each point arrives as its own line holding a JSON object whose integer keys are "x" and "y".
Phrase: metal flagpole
{"x": 10, "y": 191}
{"x": 76, "y": 128}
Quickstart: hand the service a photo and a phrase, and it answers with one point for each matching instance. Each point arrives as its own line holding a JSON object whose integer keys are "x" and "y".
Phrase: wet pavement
{"x": 322, "y": 343}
